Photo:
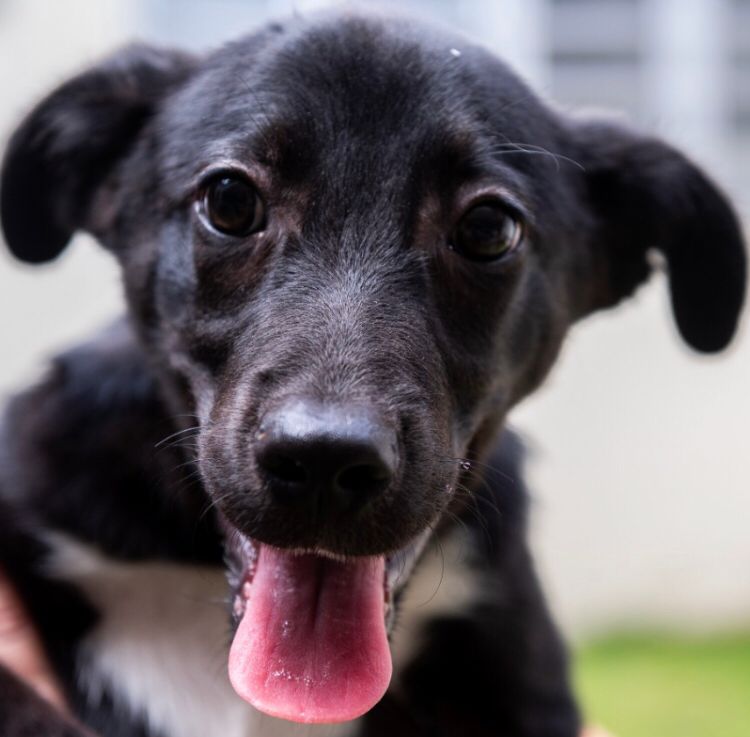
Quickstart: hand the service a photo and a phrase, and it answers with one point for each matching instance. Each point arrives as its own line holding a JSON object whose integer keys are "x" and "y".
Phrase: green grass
{"x": 656, "y": 686}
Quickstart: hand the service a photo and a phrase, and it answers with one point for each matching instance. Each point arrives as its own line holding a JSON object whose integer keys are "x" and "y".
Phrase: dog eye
{"x": 232, "y": 205}
{"x": 486, "y": 232}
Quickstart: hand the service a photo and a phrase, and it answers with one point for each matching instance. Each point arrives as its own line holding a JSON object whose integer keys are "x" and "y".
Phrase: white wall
{"x": 642, "y": 473}
{"x": 641, "y": 463}
{"x": 42, "y": 42}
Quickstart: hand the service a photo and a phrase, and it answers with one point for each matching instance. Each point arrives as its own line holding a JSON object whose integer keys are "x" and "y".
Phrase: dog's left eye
{"x": 487, "y": 232}
{"x": 232, "y": 205}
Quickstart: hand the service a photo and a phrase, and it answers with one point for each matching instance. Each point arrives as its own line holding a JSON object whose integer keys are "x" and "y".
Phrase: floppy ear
{"x": 645, "y": 196}
{"x": 66, "y": 147}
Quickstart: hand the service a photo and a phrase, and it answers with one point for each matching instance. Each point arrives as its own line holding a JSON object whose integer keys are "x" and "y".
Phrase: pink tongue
{"x": 311, "y": 646}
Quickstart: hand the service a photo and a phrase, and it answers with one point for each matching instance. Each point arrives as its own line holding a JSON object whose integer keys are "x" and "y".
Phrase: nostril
{"x": 325, "y": 457}
{"x": 284, "y": 468}
{"x": 363, "y": 479}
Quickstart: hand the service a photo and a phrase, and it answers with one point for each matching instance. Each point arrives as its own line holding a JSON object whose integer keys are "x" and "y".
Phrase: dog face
{"x": 350, "y": 248}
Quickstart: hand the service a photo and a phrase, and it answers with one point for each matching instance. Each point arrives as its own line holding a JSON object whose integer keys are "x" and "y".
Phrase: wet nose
{"x": 330, "y": 458}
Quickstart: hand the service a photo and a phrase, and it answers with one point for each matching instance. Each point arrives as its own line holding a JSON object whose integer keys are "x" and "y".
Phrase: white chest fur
{"x": 161, "y": 647}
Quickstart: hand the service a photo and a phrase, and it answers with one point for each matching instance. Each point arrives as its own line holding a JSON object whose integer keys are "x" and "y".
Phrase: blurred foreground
{"x": 661, "y": 686}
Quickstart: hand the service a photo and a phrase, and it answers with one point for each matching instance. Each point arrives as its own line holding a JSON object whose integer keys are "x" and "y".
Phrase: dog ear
{"x": 646, "y": 195}
{"x": 69, "y": 143}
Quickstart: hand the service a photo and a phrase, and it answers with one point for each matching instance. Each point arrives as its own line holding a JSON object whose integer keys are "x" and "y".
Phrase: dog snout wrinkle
{"x": 331, "y": 458}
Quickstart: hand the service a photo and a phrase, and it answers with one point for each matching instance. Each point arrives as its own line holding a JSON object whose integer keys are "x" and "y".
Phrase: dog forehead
{"x": 346, "y": 87}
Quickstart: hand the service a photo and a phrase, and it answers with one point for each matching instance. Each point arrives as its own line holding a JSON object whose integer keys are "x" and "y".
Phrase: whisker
{"x": 531, "y": 149}
{"x": 193, "y": 429}
{"x": 436, "y": 539}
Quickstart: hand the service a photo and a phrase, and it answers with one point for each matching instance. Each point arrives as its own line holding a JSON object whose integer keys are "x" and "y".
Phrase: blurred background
{"x": 640, "y": 461}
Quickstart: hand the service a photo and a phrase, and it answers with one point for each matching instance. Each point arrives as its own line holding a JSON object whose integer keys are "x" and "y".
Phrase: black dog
{"x": 349, "y": 247}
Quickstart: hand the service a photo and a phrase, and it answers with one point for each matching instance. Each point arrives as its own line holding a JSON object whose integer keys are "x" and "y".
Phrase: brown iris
{"x": 232, "y": 205}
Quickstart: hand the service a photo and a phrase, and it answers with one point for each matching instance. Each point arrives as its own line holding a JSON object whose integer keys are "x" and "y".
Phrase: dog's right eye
{"x": 232, "y": 205}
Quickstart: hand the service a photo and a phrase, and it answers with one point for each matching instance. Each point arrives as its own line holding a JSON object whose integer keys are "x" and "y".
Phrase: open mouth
{"x": 311, "y": 643}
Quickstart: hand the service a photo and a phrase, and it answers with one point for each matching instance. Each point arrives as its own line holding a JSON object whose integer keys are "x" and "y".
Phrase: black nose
{"x": 330, "y": 458}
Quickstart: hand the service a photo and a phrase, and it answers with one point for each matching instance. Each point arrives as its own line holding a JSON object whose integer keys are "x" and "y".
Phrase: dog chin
{"x": 311, "y": 626}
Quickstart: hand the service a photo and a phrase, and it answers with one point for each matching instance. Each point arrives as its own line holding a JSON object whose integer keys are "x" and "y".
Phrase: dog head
{"x": 350, "y": 247}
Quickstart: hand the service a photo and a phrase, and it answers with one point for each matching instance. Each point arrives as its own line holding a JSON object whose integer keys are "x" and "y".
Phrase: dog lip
{"x": 400, "y": 563}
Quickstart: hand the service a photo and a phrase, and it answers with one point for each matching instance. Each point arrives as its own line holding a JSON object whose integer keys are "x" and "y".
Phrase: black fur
{"x": 367, "y": 139}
